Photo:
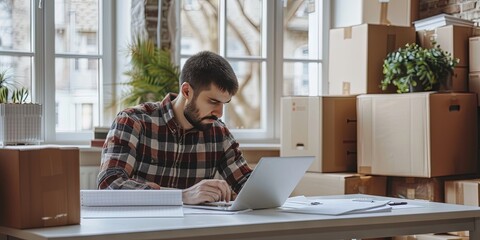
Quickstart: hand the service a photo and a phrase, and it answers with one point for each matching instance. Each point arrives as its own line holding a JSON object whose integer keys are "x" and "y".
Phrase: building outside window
{"x": 56, "y": 50}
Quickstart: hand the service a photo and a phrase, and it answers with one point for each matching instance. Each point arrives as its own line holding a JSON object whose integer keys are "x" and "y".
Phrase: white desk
{"x": 272, "y": 224}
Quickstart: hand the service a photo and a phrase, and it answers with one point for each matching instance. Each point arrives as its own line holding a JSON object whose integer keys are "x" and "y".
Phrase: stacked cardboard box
{"x": 474, "y": 56}
{"x": 340, "y": 183}
{"x": 417, "y": 134}
{"x": 356, "y": 56}
{"x": 324, "y": 127}
{"x": 452, "y": 34}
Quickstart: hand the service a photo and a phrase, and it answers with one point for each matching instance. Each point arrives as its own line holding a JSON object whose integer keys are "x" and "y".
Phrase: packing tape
{"x": 459, "y": 193}
{"x": 384, "y": 13}
{"x": 347, "y": 33}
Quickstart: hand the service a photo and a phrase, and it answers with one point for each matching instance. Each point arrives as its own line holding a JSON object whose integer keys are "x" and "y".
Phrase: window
{"x": 274, "y": 47}
{"x": 62, "y": 51}
{"x": 56, "y": 49}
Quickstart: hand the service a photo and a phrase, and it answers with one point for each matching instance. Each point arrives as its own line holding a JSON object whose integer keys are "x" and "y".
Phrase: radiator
{"x": 88, "y": 177}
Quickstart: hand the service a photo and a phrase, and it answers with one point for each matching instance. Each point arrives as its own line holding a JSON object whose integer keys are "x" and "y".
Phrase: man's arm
{"x": 233, "y": 167}
{"x": 119, "y": 155}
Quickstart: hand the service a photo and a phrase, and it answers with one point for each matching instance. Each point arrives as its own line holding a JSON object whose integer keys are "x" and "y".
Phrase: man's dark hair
{"x": 205, "y": 68}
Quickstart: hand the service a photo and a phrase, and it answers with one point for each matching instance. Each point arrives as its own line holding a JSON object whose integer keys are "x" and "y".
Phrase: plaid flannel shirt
{"x": 145, "y": 143}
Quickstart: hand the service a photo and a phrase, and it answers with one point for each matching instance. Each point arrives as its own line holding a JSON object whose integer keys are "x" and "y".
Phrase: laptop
{"x": 269, "y": 185}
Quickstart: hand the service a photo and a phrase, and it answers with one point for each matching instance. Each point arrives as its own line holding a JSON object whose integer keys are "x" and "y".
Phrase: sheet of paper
{"x": 132, "y": 212}
{"x": 334, "y": 206}
{"x": 188, "y": 210}
{"x": 131, "y": 198}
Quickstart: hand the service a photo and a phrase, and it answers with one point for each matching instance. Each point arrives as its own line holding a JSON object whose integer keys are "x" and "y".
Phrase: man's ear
{"x": 186, "y": 90}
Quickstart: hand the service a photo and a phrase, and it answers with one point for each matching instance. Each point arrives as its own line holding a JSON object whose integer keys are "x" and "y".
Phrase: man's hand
{"x": 207, "y": 190}
{"x": 153, "y": 185}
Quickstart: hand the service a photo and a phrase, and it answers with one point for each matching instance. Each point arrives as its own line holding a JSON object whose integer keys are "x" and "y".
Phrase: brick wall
{"x": 465, "y": 9}
{"x": 151, "y": 15}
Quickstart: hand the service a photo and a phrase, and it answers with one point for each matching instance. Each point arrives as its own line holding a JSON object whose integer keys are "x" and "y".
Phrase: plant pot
{"x": 20, "y": 124}
{"x": 446, "y": 85}
{"x": 418, "y": 88}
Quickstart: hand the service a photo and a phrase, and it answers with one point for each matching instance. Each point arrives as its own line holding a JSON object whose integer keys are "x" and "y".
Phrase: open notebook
{"x": 269, "y": 185}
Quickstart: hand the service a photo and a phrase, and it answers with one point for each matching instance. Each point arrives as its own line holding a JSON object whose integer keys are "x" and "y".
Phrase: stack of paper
{"x": 334, "y": 206}
{"x": 131, "y": 203}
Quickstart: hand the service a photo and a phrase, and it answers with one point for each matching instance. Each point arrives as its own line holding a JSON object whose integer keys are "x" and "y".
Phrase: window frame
{"x": 274, "y": 60}
{"x": 44, "y": 39}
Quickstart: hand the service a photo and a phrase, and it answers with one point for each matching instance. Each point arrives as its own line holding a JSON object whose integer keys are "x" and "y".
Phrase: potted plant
{"x": 152, "y": 74}
{"x": 413, "y": 68}
{"x": 20, "y": 122}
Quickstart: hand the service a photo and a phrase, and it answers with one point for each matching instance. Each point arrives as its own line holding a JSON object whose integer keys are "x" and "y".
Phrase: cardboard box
{"x": 474, "y": 84}
{"x": 474, "y": 54}
{"x": 39, "y": 186}
{"x": 356, "y": 56}
{"x": 319, "y": 184}
{"x": 409, "y": 237}
{"x": 430, "y": 189}
{"x": 417, "y": 134}
{"x": 324, "y": 127}
{"x": 459, "y": 80}
{"x": 339, "y": 133}
{"x": 439, "y": 237}
{"x": 394, "y": 12}
{"x": 451, "y": 38}
{"x": 465, "y": 192}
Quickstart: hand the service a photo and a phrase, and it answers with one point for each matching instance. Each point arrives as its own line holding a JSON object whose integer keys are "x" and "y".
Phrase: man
{"x": 179, "y": 142}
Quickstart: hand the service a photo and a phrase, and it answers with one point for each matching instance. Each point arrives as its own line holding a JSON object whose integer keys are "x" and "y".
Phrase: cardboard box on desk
{"x": 324, "y": 127}
{"x": 417, "y": 134}
{"x": 356, "y": 56}
{"x": 39, "y": 186}
{"x": 451, "y": 38}
{"x": 319, "y": 184}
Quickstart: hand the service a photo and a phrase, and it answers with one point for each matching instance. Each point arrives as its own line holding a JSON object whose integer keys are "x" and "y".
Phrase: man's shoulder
{"x": 219, "y": 128}
{"x": 147, "y": 108}
{"x": 153, "y": 109}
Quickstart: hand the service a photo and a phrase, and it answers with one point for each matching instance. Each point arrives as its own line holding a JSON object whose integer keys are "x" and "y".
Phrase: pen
{"x": 363, "y": 200}
{"x": 391, "y": 203}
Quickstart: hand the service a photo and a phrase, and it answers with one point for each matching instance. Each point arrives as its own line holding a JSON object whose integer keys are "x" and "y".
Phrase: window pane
{"x": 301, "y": 78}
{"x": 199, "y": 26}
{"x": 300, "y": 30}
{"x": 76, "y": 26}
{"x": 76, "y": 85}
{"x": 15, "y": 27}
{"x": 244, "y": 28}
{"x": 20, "y": 71}
{"x": 244, "y": 111}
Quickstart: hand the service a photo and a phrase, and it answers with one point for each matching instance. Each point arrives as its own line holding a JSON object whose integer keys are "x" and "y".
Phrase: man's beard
{"x": 191, "y": 114}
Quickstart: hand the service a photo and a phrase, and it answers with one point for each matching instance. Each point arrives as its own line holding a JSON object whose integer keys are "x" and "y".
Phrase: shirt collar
{"x": 168, "y": 113}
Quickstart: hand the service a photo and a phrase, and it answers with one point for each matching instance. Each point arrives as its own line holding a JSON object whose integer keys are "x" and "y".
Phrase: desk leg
{"x": 475, "y": 234}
